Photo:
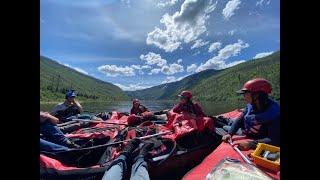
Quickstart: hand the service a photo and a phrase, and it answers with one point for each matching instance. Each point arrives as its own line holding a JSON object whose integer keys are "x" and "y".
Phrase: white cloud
{"x": 81, "y": 70}
{"x": 165, "y": 3}
{"x": 138, "y": 67}
{"x": 196, "y": 53}
{"x": 192, "y": 68}
{"x": 65, "y": 64}
{"x": 152, "y": 58}
{"x": 231, "y": 6}
{"x": 214, "y": 46}
{"x": 261, "y": 55}
{"x": 261, "y": 2}
{"x": 199, "y": 43}
{"x": 75, "y": 68}
{"x": 169, "y": 79}
{"x": 146, "y": 67}
{"x": 172, "y": 69}
{"x": 179, "y": 61}
{"x": 218, "y": 62}
{"x": 183, "y": 26}
{"x": 132, "y": 87}
{"x": 154, "y": 71}
{"x": 231, "y": 33}
{"x": 233, "y": 63}
{"x": 114, "y": 71}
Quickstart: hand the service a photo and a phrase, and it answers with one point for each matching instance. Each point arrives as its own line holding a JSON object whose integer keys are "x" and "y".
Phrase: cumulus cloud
{"x": 263, "y": 54}
{"x": 196, "y": 53}
{"x": 192, "y": 68}
{"x": 165, "y": 3}
{"x": 169, "y": 79}
{"x": 114, "y": 71}
{"x": 154, "y": 71}
{"x": 75, "y": 68}
{"x": 262, "y": 2}
{"x": 81, "y": 70}
{"x": 179, "y": 61}
{"x": 214, "y": 46}
{"x": 183, "y": 26}
{"x": 172, "y": 69}
{"x": 199, "y": 43}
{"x": 218, "y": 62}
{"x": 230, "y": 8}
{"x": 152, "y": 58}
{"x": 132, "y": 87}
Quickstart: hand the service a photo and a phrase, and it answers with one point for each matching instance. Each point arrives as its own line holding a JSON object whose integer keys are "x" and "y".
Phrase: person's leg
{"x": 116, "y": 170}
{"x": 139, "y": 170}
{"x": 51, "y": 147}
{"x": 227, "y": 128}
{"x": 53, "y": 133}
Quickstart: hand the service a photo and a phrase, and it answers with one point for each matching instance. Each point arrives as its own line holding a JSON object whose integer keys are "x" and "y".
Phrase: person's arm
{"x": 78, "y": 105}
{"x": 269, "y": 115}
{"x": 199, "y": 110}
{"x": 48, "y": 117}
{"x": 177, "y": 108}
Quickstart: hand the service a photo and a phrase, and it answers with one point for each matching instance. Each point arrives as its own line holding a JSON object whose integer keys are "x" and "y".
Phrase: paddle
{"x": 93, "y": 121}
{"x": 120, "y": 142}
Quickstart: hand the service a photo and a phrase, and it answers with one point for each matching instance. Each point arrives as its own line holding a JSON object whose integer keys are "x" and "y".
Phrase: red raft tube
{"x": 224, "y": 150}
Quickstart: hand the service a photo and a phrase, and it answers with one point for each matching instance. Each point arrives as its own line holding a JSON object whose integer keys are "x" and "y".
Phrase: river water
{"x": 125, "y": 106}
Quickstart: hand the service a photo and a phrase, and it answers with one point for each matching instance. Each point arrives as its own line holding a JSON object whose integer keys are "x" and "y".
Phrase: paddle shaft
{"x": 240, "y": 153}
{"x": 92, "y": 121}
{"x": 141, "y": 138}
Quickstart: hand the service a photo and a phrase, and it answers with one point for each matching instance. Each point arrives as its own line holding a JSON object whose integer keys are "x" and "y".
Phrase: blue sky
{"x": 137, "y": 44}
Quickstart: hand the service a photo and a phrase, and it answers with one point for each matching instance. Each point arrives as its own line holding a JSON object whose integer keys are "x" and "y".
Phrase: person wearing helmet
{"x": 261, "y": 118}
{"x": 187, "y": 106}
{"x": 138, "y": 108}
{"x": 69, "y": 107}
{"x": 139, "y": 113}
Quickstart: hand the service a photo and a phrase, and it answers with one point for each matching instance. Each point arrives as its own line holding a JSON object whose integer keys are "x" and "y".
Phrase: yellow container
{"x": 275, "y": 166}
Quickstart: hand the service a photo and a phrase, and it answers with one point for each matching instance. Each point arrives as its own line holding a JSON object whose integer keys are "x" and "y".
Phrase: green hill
{"x": 56, "y": 79}
{"x": 219, "y": 86}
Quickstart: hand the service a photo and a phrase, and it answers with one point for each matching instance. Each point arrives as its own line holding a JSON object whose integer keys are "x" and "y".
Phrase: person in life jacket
{"x": 187, "y": 106}
{"x": 138, "y": 108}
{"x": 261, "y": 118}
{"x": 139, "y": 113}
{"x": 53, "y": 140}
{"x": 69, "y": 107}
{"x": 139, "y": 170}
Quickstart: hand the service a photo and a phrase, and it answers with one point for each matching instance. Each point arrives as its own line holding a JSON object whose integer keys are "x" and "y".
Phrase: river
{"x": 125, "y": 106}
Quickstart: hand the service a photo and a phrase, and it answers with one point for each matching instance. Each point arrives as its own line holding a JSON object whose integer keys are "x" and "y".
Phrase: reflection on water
{"x": 125, "y": 106}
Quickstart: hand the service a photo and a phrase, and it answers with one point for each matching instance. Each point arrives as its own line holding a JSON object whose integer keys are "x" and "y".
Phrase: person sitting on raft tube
{"x": 187, "y": 106}
{"x": 139, "y": 113}
{"x": 137, "y": 108}
{"x": 261, "y": 117}
{"x": 53, "y": 139}
{"x": 69, "y": 107}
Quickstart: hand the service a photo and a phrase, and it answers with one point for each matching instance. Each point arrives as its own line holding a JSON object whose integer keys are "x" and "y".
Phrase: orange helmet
{"x": 256, "y": 85}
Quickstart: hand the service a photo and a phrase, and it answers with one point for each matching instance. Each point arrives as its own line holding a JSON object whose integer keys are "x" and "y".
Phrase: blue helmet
{"x": 70, "y": 93}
